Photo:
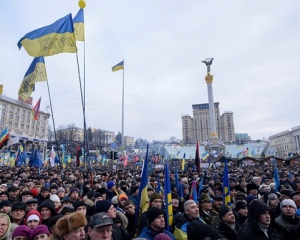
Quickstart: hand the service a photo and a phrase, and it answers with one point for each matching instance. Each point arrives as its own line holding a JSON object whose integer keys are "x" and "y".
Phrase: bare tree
{"x": 72, "y": 131}
{"x": 61, "y": 133}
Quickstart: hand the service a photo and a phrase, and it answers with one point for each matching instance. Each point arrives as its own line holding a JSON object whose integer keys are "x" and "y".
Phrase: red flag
{"x": 36, "y": 109}
{"x": 78, "y": 155}
{"x": 125, "y": 161}
{"x": 197, "y": 158}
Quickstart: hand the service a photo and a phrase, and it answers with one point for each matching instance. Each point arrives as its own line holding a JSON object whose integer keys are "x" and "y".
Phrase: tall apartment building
{"x": 227, "y": 127}
{"x": 197, "y": 128}
{"x": 17, "y": 117}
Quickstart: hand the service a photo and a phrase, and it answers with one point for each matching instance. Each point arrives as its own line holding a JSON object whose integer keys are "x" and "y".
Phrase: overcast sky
{"x": 255, "y": 45}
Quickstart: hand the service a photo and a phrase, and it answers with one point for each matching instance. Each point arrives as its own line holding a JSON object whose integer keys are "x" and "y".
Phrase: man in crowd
{"x": 5, "y": 207}
{"x": 287, "y": 217}
{"x": 129, "y": 209}
{"x": 100, "y": 227}
{"x": 206, "y": 212}
{"x": 156, "y": 224}
{"x": 18, "y": 211}
{"x": 32, "y": 204}
{"x": 241, "y": 213}
{"x": 227, "y": 226}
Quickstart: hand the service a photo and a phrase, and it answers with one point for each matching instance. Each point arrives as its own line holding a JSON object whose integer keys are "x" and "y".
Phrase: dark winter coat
{"x": 285, "y": 223}
{"x": 150, "y": 234}
{"x": 227, "y": 232}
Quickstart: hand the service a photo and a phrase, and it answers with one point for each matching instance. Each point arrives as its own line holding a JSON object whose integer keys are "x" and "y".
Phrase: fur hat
{"x": 70, "y": 223}
{"x": 155, "y": 196}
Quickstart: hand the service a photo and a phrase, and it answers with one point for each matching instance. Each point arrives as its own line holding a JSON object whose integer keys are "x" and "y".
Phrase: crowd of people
{"x": 101, "y": 203}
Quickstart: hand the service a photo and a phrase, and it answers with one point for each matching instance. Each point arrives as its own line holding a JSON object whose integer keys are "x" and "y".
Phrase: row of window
{"x": 282, "y": 147}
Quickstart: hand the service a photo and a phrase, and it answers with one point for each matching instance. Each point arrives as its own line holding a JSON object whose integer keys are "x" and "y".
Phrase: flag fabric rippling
{"x": 168, "y": 200}
{"x": 226, "y": 187}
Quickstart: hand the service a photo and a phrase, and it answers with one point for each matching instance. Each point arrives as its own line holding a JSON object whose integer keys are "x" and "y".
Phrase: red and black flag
{"x": 78, "y": 155}
{"x": 197, "y": 158}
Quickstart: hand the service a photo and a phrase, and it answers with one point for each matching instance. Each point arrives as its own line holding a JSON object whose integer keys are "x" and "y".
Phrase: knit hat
{"x": 34, "y": 192}
{"x": 79, "y": 204}
{"x": 71, "y": 222}
{"x": 114, "y": 200}
{"x": 197, "y": 230}
{"x": 61, "y": 189}
{"x": 54, "y": 198}
{"x": 33, "y": 217}
{"x": 4, "y": 203}
{"x": 155, "y": 196}
{"x": 52, "y": 221}
{"x": 103, "y": 206}
{"x": 22, "y": 231}
{"x": 18, "y": 205}
{"x": 122, "y": 196}
{"x": 45, "y": 189}
{"x": 250, "y": 198}
{"x": 153, "y": 213}
{"x": 288, "y": 202}
{"x": 48, "y": 204}
{"x": 73, "y": 190}
{"x": 110, "y": 184}
{"x": 133, "y": 189}
{"x": 223, "y": 210}
{"x": 41, "y": 229}
{"x": 162, "y": 236}
{"x": 240, "y": 205}
{"x": 67, "y": 209}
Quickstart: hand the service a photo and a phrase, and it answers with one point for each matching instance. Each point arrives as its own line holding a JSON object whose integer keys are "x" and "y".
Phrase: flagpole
{"x": 123, "y": 107}
{"x": 53, "y": 124}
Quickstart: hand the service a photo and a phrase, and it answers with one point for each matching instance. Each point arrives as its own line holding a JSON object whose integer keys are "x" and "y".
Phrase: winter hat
{"x": 61, "y": 189}
{"x": 34, "y": 192}
{"x": 114, "y": 200}
{"x": 223, "y": 210}
{"x": 153, "y": 213}
{"x": 240, "y": 205}
{"x": 45, "y": 189}
{"x": 204, "y": 198}
{"x": 103, "y": 206}
{"x": 18, "y": 205}
{"x": 22, "y": 231}
{"x": 122, "y": 196}
{"x": 41, "y": 229}
{"x": 49, "y": 204}
{"x": 155, "y": 196}
{"x": 197, "y": 230}
{"x": 288, "y": 202}
{"x": 79, "y": 204}
{"x": 70, "y": 223}
{"x": 110, "y": 184}
{"x": 250, "y": 198}
{"x": 73, "y": 190}
{"x": 54, "y": 198}
{"x": 4, "y": 203}
{"x": 52, "y": 221}
{"x": 91, "y": 193}
{"x": 33, "y": 217}
{"x": 85, "y": 190}
{"x": 133, "y": 189}
{"x": 162, "y": 236}
{"x": 67, "y": 209}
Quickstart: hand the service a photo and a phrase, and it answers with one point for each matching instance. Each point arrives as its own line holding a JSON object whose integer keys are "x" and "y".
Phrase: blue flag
{"x": 276, "y": 179}
{"x": 168, "y": 200}
{"x": 142, "y": 203}
{"x": 226, "y": 186}
{"x": 78, "y": 22}
{"x": 52, "y": 39}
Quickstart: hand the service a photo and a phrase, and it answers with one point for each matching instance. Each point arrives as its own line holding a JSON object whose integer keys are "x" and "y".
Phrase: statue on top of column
{"x": 208, "y": 62}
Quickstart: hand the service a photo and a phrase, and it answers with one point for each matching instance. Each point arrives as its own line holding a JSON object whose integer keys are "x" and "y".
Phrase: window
{"x": 18, "y": 110}
{"x": 17, "y": 118}
{"x": 22, "y": 119}
{"x": 23, "y": 112}
{"x": 27, "y": 127}
{"x": 22, "y": 126}
{"x": 4, "y": 106}
{"x": 28, "y": 120}
{"x": 11, "y": 109}
{"x": 9, "y": 123}
{"x": 10, "y": 116}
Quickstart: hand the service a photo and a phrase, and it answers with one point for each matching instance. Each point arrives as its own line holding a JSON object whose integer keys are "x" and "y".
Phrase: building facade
{"x": 227, "y": 127}
{"x": 296, "y": 137}
{"x": 128, "y": 141}
{"x": 17, "y": 117}
{"x": 197, "y": 128}
{"x": 283, "y": 143}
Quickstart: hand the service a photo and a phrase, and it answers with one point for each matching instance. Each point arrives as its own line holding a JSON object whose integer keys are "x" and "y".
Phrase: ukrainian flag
{"x": 226, "y": 187}
{"x": 52, "y": 39}
{"x": 78, "y": 22}
{"x": 142, "y": 203}
{"x": 35, "y": 73}
{"x": 168, "y": 200}
{"x": 183, "y": 163}
{"x": 119, "y": 66}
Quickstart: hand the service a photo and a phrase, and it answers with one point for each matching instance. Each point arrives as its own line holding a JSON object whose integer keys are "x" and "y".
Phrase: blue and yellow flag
{"x": 35, "y": 73}
{"x": 143, "y": 203}
{"x": 183, "y": 162}
{"x": 52, "y": 39}
{"x": 226, "y": 187}
{"x": 168, "y": 200}
{"x": 78, "y": 22}
{"x": 119, "y": 66}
